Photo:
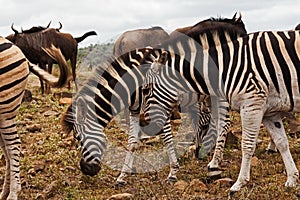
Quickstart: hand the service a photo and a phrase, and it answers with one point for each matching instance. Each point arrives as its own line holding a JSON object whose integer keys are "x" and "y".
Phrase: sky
{"x": 110, "y": 18}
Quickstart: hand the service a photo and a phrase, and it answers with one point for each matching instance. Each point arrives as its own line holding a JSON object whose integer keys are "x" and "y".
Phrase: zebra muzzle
{"x": 90, "y": 169}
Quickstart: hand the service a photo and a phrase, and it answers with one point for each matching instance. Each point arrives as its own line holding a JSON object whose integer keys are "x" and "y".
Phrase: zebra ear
{"x": 163, "y": 58}
{"x": 161, "y": 61}
{"x": 238, "y": 19}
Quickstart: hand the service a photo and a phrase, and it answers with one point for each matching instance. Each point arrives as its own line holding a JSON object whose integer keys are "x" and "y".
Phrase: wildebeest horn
{"x": 48, "y": 25}
{"x": 12, "y": 27}
{"x": 60, "y": 26}
{"x": 234, "y": 16}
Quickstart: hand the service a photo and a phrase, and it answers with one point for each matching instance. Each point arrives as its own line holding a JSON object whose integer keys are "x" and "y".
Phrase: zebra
{"x": 256, "y": 75}
{"x": 114, "y": 86}
{"x": 218, "y": 156}
{"x": 14, "y": 71}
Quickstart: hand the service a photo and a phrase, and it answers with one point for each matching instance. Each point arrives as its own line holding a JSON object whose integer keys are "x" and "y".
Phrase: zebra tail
{"x": 53, "y": 81}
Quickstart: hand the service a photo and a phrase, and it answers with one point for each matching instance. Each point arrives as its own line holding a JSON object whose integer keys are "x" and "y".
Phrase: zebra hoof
{"x": 120, "y": 184}
{"x": 172, "y": 179}
{"x": 270, "y": 151}
{"x": 231, "y": 194}
{"x": 212, "y": 169}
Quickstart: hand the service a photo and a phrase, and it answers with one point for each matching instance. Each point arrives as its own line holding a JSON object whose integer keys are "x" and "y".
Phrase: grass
{"x": 50, "y": 164}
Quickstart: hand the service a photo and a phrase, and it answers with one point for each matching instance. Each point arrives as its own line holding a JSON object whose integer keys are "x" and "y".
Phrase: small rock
{"x": 197, "y": 186}
{"x": 34, "y": 128}
{"x": 122, "y": 196}
{"x": 50, "y": 113}
{"x": 254, "y": 161}
{"x": 181, "y": 185}
{"x": 224, "y": 182}
{"x": 31, "y": 171}
{"x": 40, "y": 142}
{"x": 70, "y": 168}
{"x": 65, "y": 101}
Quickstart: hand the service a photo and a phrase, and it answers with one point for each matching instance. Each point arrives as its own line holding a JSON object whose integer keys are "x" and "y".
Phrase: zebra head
{"x": 81, "y": 118}
{"x": 156, "y": 108}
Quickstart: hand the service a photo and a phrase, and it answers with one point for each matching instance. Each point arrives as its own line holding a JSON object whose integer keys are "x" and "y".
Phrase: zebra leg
{"x": 5, "y": 190}
{"x": 251, "y": 116}
{"x": 275, "y": 127}
{"x": 169, "y": 143}
{"x": 134, "y": 135}
{"x": 200, "y": 123}
{"x": 220, "y": 121}
{"x": 10, "y": 144}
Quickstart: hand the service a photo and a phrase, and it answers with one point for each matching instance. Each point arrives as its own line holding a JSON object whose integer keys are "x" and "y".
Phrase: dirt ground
{"x": 50, "y": 162}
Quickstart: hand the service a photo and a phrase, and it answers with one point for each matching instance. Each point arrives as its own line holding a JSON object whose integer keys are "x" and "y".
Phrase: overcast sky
{"x": 109, "y": 18}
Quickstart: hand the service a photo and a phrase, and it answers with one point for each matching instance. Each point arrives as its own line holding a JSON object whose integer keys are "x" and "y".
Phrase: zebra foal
{"x": 14, "y": 71}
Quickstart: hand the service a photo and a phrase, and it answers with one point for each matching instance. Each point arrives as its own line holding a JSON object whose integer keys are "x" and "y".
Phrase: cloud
{"x": 110, "y": 18}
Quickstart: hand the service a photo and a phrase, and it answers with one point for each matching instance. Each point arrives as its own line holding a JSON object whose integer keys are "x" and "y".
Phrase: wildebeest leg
{"x": 48, "y": 89}
{"x": 42, "y": 86}
{"x": 73, "y": 65}
{"x": 41, "y": 81}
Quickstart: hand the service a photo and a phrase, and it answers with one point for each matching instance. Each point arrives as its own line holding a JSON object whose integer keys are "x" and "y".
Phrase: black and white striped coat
{"x": 14, "y": 71}
{"x": 256, "y": 75}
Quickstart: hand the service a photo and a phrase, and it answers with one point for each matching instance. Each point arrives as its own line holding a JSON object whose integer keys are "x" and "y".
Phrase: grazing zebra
{"x": 256, "y": 75}
{"x": 14, "y": 71}
{"x": 112, "y": 88}
{"x": 214, "y": 164}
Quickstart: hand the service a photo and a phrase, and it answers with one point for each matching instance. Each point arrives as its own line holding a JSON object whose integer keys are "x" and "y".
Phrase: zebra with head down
{"x": 113, "y": 88}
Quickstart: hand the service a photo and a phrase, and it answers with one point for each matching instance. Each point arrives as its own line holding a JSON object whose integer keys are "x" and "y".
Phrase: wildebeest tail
{"x": 80, "y": 39}
{"x": 53, "y": 81}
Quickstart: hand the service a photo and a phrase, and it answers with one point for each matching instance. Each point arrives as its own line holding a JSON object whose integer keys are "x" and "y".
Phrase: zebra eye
{"x": 81, "y": 110}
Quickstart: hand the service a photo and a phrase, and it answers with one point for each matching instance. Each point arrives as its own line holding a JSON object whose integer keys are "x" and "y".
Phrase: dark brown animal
{"x": 297, "y": 27}
{"x": 32, "y": 42}
{"x": 139, "y": 38}
{"x": 235, "y": 23}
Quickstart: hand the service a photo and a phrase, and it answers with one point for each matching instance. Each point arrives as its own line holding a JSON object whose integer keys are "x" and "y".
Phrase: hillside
{"x": 94, "y": 54}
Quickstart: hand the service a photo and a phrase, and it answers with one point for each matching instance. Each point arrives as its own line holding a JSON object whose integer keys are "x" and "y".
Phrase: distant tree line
{"x": 94, "y": 54}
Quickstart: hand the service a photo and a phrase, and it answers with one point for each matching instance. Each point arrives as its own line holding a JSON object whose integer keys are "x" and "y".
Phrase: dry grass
{"x": 49, "y": 165}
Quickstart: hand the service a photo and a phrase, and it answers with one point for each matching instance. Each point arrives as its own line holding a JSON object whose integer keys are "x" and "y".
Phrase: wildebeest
{"x": 206, "y": 24}
{"x": 32, "y": 42}
{"x": 139, "y": 38}
{"x": 136, "y": 39}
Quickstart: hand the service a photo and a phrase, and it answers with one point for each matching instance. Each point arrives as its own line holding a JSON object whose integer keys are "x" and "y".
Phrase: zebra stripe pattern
{"x": 13, "y": 78}
{"x": 256, "y": 75}
{"x": 114, "y": 87}
{"x": 14, "y": 71}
